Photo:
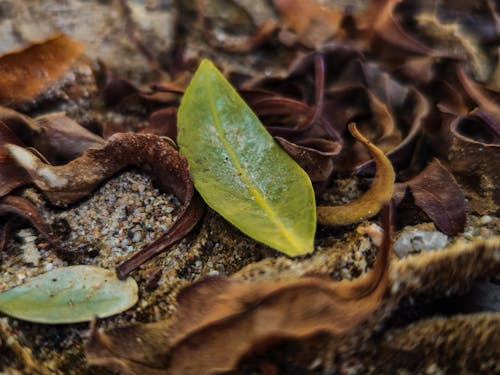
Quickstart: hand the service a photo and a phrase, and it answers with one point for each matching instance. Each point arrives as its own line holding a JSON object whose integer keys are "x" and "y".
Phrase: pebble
{"x": 48, "y": 267}
{"x": 486, "y": 219}
{"x": 416, "y": 240}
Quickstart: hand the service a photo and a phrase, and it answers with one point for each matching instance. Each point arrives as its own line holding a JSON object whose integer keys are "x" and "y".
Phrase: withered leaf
{"x": 384, "y": 30}
{"x": 437, "y": 193}
{"x": 11, "y": 175}
{"x": 219, "y": 321}
{"x": 57, "y": 137}
{"x": 370, "y": 203}
{"x": 125, "y": 97}
{"x": 474, "y": 160}
{"x": 77, "y": 179}
{"x": 483, "y": 101}
{"x": 317, "y": 164}
{"x": 23, "y": 208}
{"x": 26, "y": 73}
{"x": 61, "y": 139}
{"x": 163, "y": 123}
{"x": 312, "y": 22}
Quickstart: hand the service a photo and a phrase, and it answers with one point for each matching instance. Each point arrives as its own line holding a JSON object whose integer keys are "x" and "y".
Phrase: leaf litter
{"x": 393, "y": 72}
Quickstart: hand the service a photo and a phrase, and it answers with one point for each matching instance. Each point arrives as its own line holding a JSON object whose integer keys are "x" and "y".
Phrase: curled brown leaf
{"x": 77, "y": 179}
{"x": 219, "y": 321}
{"x": 57, "y": 137}
{"x": 28, "y": 72}
{"x": 474, "y": 159}
{"x": 317, "y": 164}
{"x": 370, "y": 203}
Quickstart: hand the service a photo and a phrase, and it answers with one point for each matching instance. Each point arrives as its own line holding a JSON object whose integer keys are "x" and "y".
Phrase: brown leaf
{"x": 68, "y": 183}
{"x": 382, "y": 27}
{"x": 28, "y": 72}
{"x": 437, "y": 193}
{"x": 62, "y": 139}
{"x": 317, "y": 164}
{"x": 125, "y": 97}
{"x": 370, "y": 203}
{"x": 484, "y": 102}
{"x": 11, "y": 175}
{"x": 219, "y": 321}
{"x": 21, "y": 207}
{"x": 312, "y": 22}
{"x": 57, "y": 137}
{"x": 162, "y": 123}
{"x": 474, "y": 160}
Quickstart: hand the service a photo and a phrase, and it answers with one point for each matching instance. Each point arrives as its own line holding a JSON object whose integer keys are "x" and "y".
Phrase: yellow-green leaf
{"x": 239, "y": 170}
{"x": 70, "y": 295}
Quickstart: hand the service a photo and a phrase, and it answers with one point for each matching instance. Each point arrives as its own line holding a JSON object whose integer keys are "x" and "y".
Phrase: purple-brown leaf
{"x": 437, "y": 193}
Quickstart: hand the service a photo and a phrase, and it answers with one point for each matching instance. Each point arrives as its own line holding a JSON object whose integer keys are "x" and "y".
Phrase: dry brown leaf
{"x": 61, "y": 139}
{"x": 28, "y": 72}
{"x": 384, "y": 30}
{"x": 22, "y": 208}
{"x": 67, "y": 183}
{"x": 370, "y": 203}
{"x": 11, "y": 175}
{"x": 437, "y": 193}
{"x": 219, "y": 321}
{"x": 482, "y": 99}
{"x": 475, "y": 162}
{"x": 312, "y": 22}
{"x": 317, "y": 164}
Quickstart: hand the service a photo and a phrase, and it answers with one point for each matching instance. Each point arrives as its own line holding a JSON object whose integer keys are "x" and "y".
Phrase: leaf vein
{"x": 254, "y": 190}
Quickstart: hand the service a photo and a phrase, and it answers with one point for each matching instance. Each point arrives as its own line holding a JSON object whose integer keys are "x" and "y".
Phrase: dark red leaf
{"x": 437, "y": 193}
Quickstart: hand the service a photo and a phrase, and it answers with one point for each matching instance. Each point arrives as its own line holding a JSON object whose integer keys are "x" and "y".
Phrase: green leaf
{"x": 239, "y": 170}
{"x": 70, "y": 295}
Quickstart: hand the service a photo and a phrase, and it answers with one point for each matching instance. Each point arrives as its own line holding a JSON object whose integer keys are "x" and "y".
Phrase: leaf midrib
{"x": 254, "y": 191}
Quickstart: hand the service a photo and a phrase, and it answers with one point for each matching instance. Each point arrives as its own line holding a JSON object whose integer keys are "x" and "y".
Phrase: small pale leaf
{"x": 239, "y": 170}
{"x": 70, "y": 295}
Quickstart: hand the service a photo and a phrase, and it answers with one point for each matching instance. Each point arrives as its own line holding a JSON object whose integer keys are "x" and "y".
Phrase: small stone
{"x": 137, "y": 237}
{"x": 486, "y": 219}
{"x": 31, "y": 254}
{"x": 48, "y": 267}
{"x": 213, "y": 273}
{"x": 416, "y": 240}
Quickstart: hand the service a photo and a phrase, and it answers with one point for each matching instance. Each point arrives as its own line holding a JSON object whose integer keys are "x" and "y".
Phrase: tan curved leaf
{"x": 370, "y": 203}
